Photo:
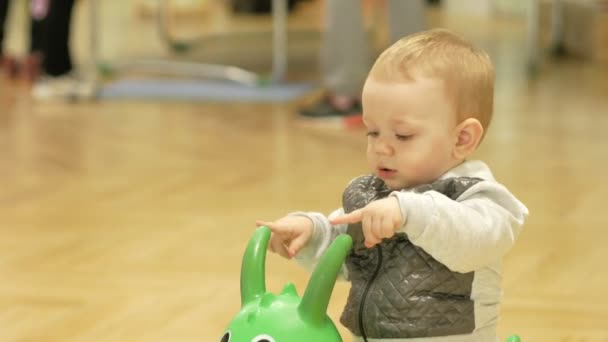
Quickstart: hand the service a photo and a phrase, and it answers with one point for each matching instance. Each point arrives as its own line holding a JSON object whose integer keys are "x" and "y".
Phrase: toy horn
{"x": 253, "y": 267}
{"x": 313, "y": 307}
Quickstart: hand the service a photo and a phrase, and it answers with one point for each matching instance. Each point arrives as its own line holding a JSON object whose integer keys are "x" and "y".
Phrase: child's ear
{"x": 468, "y": 136}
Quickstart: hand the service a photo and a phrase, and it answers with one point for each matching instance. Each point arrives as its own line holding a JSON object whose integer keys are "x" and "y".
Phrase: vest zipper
{"x": 366, "y": 292}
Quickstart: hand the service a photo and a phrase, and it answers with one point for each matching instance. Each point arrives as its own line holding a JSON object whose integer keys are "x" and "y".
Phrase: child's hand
{"x": 379, "y": 220}
{"x": 289, "y": 234}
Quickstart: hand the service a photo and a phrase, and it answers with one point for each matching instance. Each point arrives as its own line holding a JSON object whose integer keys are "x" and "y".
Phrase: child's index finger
{"x": 270, "y": 225}
{"x": 353, "y": 217}
{"x": 274, "y": 227}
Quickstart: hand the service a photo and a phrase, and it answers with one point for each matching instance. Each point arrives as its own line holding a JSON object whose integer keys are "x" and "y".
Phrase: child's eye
{"x": 372, "y": 134}
{"x": 403, "y": 137}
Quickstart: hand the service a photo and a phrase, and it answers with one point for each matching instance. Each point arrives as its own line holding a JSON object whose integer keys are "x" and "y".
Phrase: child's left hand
{"x": 379, "y": 220}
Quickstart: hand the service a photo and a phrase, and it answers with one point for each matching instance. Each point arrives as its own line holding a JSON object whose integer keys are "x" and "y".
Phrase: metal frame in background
{"x": 167, "y": 66}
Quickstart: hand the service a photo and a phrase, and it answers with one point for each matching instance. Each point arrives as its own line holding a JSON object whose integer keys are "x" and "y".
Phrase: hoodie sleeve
{"x": 464, "y": 234}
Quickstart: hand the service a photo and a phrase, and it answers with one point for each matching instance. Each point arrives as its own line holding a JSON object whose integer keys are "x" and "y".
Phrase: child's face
{"x": 411, "y": 130}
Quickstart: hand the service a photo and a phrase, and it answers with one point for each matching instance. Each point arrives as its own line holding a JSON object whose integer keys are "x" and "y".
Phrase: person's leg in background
{"x": 60, "y": 81}
{"x": 406, "y": 17}
{"x": 3, "y": 13}
{"x": 57, "y": 60}
{"x": 346, "y": 52}
{"x": 39, "y": 10}
{"x": 7, "y": 64}
{"x": 345, "y": 61}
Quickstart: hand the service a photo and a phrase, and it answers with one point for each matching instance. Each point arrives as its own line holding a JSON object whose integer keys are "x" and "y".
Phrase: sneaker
{"x": 67, "y": 87}
{"x": 327, "y": 111}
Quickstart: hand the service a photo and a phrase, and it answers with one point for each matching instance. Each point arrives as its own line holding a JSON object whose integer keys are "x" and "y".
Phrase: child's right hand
{"x": 289, "y": 234}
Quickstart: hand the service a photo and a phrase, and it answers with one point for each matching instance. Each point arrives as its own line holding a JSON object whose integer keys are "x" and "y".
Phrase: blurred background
{"x": 140, "y": 141}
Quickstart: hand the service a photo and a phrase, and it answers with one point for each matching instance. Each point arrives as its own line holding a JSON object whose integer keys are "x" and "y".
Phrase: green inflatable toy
{"x": 266, "y": 317}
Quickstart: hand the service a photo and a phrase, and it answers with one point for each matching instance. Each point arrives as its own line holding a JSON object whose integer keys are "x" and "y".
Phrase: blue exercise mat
{"x": 202, "y": 90}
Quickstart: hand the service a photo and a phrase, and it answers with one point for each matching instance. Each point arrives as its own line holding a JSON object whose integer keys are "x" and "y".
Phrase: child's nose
{"x": 382, "y": 147}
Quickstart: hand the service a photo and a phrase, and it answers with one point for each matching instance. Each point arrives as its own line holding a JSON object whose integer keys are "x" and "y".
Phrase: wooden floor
{"x": 126, "y": 221}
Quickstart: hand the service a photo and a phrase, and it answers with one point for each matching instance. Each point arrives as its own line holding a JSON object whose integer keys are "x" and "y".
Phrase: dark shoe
{"x": 325, "y": 109}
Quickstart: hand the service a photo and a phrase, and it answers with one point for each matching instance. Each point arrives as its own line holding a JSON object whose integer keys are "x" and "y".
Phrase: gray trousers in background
{"x": 346, "y": 54}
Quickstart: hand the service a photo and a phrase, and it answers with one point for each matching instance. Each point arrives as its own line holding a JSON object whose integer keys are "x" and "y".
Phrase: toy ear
{"x": 253, "y": 267}
{"x": 314, "y": 303}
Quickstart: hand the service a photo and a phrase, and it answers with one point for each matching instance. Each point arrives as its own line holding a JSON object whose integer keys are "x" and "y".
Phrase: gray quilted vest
{"x": 398, "y": 290}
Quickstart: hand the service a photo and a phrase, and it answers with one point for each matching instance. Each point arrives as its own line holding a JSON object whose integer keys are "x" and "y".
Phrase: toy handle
{"x": 253, "y": 267}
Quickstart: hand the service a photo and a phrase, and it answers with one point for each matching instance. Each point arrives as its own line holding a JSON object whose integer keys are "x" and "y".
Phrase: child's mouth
{"x": 384, "y": 172}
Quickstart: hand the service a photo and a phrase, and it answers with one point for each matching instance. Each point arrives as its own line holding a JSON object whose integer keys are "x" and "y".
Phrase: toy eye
{"x": 262, "y": 338}
{"x": 226, "y": 337}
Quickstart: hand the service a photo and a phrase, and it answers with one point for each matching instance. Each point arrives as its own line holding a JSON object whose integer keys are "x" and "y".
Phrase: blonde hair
{"x": 468, "y": 72}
